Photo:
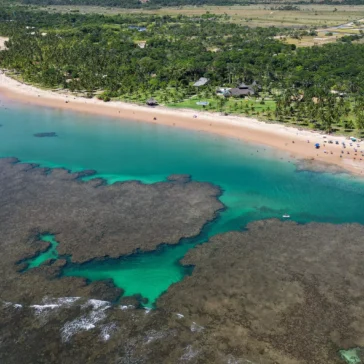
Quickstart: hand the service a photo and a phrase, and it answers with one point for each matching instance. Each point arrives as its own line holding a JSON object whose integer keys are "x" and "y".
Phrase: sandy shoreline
{"x": 287, "y": 139}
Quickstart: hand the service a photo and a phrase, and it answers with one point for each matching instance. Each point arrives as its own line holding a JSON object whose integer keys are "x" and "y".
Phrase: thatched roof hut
{"x": 241, "y": 92}
{"x": 152, "y": 102}
{"x": 243, "y": 86}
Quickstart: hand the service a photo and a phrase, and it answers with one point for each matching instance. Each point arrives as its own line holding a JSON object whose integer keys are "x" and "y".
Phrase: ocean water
{"x": 351, "y": 356}
{"x": 257, "y": 182}
{"x": 50, "y": 253}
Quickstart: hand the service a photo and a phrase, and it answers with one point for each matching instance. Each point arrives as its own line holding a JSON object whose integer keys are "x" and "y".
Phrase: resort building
{"x": 242, "y": 90}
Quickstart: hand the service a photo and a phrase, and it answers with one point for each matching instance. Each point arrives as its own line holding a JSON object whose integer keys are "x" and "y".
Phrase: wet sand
{"x": 299, "y": 143}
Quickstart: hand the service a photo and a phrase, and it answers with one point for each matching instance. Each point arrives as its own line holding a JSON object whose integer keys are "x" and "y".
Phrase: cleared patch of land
{"x": 322, "y": 37}
{"x": 311, "y": 15}
{"x": 2, "y": 43}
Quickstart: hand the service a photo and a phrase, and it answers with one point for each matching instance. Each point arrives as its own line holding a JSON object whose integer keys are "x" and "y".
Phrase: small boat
{"x": 286, "y": 216}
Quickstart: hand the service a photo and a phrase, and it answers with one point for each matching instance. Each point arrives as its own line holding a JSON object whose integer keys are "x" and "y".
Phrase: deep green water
{"x": 257, "y": 182}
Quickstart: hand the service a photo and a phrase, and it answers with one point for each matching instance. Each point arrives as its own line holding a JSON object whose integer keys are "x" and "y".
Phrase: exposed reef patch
{"x": 283, "y": 292}
{"x": 89, "y": 220}
{"x": 49, "y": 254}
{"x": 278, "y": 292}
{"x": 51, "y": 134}
{"x": 318, "y": 166}
{"x": 78, "y": 330}
{"x": 182, "y": 178}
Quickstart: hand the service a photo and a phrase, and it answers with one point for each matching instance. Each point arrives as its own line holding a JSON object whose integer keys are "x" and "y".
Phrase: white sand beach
{"x": 299, "y": 143}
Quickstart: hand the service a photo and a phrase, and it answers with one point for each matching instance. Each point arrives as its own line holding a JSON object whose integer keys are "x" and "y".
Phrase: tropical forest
{"x": 136, "y": 57}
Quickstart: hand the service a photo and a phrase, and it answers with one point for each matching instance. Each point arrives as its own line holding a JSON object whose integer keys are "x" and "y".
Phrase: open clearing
{"x": 311, "y": 15}
{"x": 331, "y": 22}
{"x": 2, "y": 43}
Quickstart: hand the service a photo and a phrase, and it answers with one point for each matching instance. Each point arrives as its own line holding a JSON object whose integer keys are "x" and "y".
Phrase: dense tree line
{"x": 133, "y": 4}
{"x": 164, "y": 3}
{"x": 108, "y": 3}
{"x": 143, "y": 55}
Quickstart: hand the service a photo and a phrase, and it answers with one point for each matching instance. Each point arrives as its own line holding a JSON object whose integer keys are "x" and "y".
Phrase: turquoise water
{"x": 351, "y": 356}
{"x": 50, "y": 253}
{"x": 257, "y": 182}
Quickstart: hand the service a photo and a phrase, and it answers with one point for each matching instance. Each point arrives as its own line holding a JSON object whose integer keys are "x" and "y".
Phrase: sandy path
{"x": 278, "y": 136}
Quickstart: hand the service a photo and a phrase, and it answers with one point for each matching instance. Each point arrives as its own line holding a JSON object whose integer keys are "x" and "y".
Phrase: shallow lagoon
{"x": 257, "y": 182}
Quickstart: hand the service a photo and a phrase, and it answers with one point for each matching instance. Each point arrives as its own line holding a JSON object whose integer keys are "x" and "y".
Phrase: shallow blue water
{"x": 257, "y": 182}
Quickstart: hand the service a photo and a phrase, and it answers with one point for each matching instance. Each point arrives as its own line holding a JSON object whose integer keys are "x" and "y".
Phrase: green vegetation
{"x": 132, "y": 58}
{"x": 153, "y": 3}
{"x": 260, "y": 15}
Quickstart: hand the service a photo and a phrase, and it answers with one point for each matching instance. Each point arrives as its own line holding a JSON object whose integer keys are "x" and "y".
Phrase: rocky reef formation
{"x": 72, "y": 330}
{"x": 89, "y": 220}
{"x": 318, "y": 166}
{"x": 277, "y": 293}
{"x": 51, "y": 134}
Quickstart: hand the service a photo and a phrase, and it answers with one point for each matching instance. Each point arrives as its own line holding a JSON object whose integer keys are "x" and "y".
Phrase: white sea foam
{"x": 10, "y": 304}
{"x": 189, "y": 354}
{"x": 96, "y": 304}
{"x": 107, "y": 330}
{"x": 87, "y": 321}
{"x": 40, "y": 309}
{"x": 128, "y": 307}
{"x": 196, "y": 328}
{"x": 233, "y": 360}
{"x": 51, "y": 304}
{"x": 153, "y": 335}
{"x": 61, "y": 301}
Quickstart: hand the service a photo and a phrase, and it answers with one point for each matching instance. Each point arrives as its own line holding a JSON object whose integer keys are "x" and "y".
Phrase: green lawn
{"x": 174, "y": 99}
{"x": 232, "y": 106}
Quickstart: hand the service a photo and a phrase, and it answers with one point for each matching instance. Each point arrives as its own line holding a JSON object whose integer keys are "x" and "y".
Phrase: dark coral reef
{"x": 278, "y": 292}
{"x": 90, "y": 220}
{"x": 46, "y": 135}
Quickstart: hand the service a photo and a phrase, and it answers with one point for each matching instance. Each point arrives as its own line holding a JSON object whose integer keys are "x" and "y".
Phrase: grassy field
{"x": 323, "y": 18}
{"x": 232, "y": 106}
{"x": 254, "y": 108}
{"x": 312, "y": 15}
